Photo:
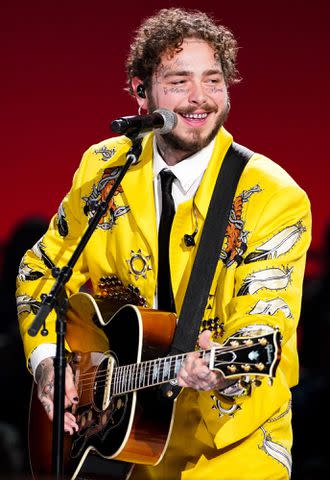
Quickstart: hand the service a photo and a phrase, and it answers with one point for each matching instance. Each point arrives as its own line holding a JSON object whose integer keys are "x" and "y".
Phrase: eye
{"x": 213, "y": 80}
{"x": 178, "y": 82}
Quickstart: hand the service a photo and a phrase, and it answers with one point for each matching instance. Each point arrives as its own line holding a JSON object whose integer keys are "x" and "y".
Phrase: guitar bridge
{"x": 107, "y": 386}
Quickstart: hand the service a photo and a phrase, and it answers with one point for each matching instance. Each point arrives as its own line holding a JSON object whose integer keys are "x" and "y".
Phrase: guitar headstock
{"x": 245, "y": 355}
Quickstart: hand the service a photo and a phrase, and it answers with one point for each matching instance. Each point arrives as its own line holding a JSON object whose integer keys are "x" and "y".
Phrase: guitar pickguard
{"x": 96, "y": 426}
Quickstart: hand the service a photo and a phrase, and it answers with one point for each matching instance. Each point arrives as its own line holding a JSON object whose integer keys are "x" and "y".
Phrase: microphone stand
{"x": 57, "y": 300}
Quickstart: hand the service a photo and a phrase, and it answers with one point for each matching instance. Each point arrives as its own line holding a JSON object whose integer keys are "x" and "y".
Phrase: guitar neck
{"x": 129, "y": 378}
{"x": 239, "y": 356}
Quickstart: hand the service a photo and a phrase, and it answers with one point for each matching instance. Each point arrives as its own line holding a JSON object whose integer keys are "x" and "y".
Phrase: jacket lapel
{"x": 139, "y": 191}
{"x": 182, "y": 257}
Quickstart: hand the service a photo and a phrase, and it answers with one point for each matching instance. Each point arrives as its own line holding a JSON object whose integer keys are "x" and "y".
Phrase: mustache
{"x": 191, "y": 110}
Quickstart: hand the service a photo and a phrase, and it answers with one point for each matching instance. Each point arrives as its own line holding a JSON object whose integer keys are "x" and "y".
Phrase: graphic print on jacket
{"x": 99, "y": 194}
{"x": 235, "y": 243}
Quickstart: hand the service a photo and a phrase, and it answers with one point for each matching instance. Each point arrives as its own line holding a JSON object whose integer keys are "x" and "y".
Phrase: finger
{"x": 192, "y": 362}
{"x": 70, "y": 423}
{"x": 70, "y": 388}
{"x": 182, "y": 380}
{"x": 204, "y": 339}
{"x": 208, "y": 383}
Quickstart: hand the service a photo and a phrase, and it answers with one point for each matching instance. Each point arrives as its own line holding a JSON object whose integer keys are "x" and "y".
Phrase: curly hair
{"x": 166, "y": 31}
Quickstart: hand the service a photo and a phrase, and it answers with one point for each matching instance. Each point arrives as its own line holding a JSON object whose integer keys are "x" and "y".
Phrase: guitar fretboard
{"x": 129, "y": 378}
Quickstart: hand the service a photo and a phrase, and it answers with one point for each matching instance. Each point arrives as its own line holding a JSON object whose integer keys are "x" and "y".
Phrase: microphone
{"x": 189, "y": 239}
{"x": 162, "y": 120}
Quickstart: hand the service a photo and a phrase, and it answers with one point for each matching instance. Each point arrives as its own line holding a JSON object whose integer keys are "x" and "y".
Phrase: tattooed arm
{"x": 45, "y": 379}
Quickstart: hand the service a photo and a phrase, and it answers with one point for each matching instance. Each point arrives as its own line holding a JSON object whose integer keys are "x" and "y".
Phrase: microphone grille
{"x": 170, "y": 120}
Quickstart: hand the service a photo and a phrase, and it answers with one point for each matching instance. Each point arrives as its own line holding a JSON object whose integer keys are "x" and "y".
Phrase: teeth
{"x": 195, "y": 115}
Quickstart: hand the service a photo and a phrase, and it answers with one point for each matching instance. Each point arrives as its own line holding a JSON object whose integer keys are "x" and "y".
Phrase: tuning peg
{"x": 232, "y": 368}
{"x": 246, "y": 367}
{"x": 245, "y": 382}
{"x": 260, "y": 366}
{"x": 257, "y": 381}
{"x": 263, "y": 341}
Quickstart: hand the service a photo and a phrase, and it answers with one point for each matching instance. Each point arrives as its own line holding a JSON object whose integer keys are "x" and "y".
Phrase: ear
{"x": 143, "y": 102}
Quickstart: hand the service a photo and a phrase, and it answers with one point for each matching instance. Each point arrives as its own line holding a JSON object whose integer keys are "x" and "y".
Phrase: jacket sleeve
{"x": 263, "y": 292}
{"x": 53, "y": 249}
{"x": 268, "y": 282}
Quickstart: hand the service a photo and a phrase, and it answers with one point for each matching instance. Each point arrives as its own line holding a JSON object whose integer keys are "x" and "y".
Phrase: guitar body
{"x": 119, "y": 360}
{"x": 127, "y": 427}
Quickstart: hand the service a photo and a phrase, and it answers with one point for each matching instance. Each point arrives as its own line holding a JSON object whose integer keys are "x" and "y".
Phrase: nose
{"x": 197, "y": 94}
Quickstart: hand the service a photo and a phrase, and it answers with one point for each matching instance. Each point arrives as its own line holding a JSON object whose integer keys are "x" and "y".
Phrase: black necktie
{"x": 165, "y": 294}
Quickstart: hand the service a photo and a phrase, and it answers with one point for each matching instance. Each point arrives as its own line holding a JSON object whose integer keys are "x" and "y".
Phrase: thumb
{"x": 204, "y": 339}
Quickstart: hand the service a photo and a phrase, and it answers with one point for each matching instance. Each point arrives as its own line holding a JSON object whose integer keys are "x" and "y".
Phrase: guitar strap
{"x": 194, "y": 303}
{"x": 207, "y": 256}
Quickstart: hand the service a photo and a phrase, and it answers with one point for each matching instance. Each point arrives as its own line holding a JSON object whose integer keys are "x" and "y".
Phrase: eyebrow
{"x": 185, "y": 73}
{"x": 177, "y": 73}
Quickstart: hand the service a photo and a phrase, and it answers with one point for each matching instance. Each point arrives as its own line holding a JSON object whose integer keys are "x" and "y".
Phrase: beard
{"x": 196, "y": 140}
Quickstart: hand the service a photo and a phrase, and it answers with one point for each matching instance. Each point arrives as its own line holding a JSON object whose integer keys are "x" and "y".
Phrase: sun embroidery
{"x": 139, "y": 264}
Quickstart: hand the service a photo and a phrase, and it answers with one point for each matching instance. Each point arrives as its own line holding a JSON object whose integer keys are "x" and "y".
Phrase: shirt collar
{"x": 188, "y": 170}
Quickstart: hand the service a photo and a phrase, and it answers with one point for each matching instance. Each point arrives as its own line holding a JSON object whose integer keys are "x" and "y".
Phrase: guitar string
{"x": 120, "y": 369}
{"x": 120, "y": 374}
{"x": 134, "y": 374}
{"x": 124, "y": 377}
{"x": 131, "y": 387}
{"x": 218, "y": 351}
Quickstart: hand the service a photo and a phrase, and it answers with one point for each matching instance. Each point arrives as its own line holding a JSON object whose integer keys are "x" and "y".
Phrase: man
{"x": 183, "y": 61}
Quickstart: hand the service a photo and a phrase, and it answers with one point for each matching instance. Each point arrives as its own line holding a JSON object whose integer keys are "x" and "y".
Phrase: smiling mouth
{"x": 194, "y": 116}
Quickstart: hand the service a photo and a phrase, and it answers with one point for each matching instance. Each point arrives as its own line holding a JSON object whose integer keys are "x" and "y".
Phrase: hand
{"x": 194, "y": 372}
{"x": 45, "y": 376}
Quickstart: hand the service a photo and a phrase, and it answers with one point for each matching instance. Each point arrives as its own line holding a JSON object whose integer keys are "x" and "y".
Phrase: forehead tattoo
{"x": 178, "y": 66}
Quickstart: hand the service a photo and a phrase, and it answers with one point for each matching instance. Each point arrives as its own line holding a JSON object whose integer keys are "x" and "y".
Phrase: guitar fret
{"x": 141, "y": 375}
{"x": 147, "y": 377}
{"x": 135, "y": 376}
{"x": 115, "y": 382}
{"x": 123, "y": 379}
{"x": 167, "y": 369}
{"x": 177, "y": 365}
{"x": 126, "y": 378}
{"x": 129, "y": 377}
{"x": 155, "y": 372}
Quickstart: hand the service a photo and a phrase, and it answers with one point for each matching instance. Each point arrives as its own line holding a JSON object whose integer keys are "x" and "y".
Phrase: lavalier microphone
{"x": 189, "y": 239}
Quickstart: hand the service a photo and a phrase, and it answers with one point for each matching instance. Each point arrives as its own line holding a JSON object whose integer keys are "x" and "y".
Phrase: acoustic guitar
{"x": 119, "y": 361}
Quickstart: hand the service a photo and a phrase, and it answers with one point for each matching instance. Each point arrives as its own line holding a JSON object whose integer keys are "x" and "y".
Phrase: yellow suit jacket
{"x": 258, "y": 280}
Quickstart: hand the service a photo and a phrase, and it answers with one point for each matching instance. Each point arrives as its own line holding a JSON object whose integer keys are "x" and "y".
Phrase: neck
{"x": 171, "y": 155}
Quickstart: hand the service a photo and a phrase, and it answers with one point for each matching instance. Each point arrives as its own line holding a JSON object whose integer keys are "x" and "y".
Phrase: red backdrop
{"x": 62, "y": 81}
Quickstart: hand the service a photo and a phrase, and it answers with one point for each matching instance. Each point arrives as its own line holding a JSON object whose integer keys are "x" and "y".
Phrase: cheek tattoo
{"x": 213, "y": 89}
{"x": 174, "y": 90}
